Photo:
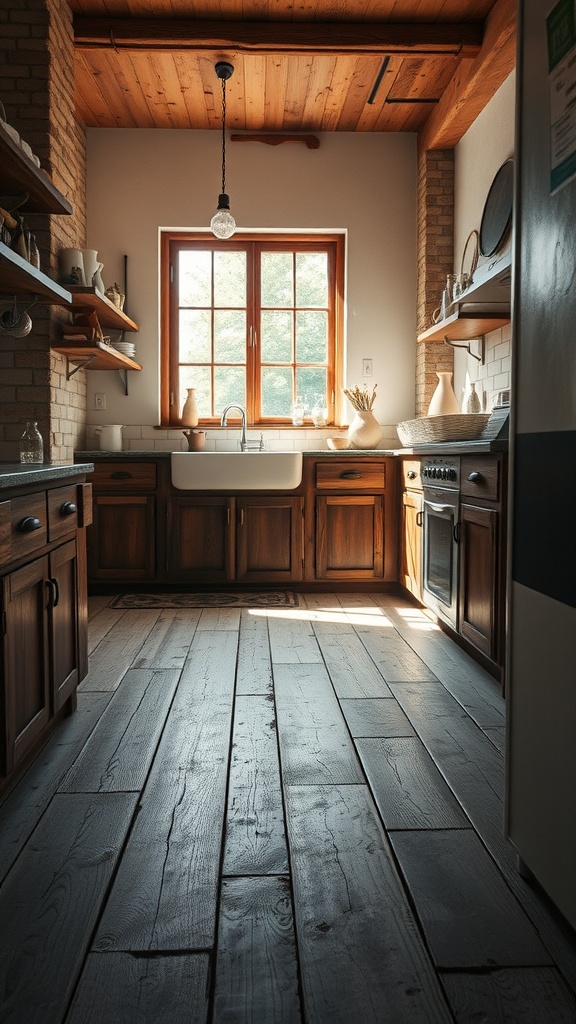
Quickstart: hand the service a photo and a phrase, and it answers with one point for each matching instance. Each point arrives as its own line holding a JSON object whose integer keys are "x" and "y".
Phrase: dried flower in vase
{"x": 360, "y": 398}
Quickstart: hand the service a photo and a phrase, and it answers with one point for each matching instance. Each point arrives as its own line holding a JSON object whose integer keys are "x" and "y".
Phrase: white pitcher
{"x": 91, "y": 265}
{"x": 110, "y": 437}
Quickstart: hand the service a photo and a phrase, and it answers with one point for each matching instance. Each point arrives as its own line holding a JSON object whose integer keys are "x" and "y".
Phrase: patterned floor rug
{"x": 223, "y": 599}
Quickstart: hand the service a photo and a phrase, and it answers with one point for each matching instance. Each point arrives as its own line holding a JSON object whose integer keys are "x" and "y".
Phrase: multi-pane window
{"x": 255, "y": 322}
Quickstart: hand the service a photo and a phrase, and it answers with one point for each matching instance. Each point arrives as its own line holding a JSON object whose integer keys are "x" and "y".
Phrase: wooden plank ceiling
{"x": 323, "y": 65}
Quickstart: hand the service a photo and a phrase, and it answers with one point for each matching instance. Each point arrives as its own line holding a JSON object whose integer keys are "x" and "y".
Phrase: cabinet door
{"x": 201, "y": 539}
{"x": 270, "y": 539}
{"x": 121, "y": 538}
{"x": 63, "y": 623}
{"x": 411, "y": 563}
{"x": 349, "y": 536}
{"x": 478, "y": 590}
{"x": 26, "y": 663}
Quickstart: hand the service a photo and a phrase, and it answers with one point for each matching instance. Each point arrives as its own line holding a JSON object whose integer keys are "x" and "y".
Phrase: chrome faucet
{"x": 242, "y": 411}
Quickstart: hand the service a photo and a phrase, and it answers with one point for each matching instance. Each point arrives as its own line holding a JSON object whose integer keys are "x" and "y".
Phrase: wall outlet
{"x": 366, "y": 367}
{"x": 99, "y": 400}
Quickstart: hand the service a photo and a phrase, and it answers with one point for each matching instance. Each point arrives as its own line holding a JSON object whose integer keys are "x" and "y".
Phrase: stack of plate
{"x": 127, "y": 348}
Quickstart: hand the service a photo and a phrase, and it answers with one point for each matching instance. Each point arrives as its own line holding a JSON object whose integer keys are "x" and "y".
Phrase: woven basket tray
{"x": 456, "y": 427}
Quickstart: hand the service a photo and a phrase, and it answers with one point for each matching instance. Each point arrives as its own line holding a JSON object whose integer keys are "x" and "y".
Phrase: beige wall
{"x": 481, "y": 151}
{"x": 141, "y": 181}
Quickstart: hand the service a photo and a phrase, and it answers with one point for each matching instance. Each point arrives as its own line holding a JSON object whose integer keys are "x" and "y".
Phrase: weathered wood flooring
{"x": 272, "y": 817}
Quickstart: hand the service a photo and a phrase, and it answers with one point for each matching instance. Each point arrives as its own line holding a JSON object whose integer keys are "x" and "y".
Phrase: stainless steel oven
{"x": 441, "y": 492}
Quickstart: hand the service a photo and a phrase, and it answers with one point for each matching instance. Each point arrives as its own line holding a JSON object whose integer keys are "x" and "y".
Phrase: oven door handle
{"x": 439, "y": 508}
{"x": 456, "y": 532}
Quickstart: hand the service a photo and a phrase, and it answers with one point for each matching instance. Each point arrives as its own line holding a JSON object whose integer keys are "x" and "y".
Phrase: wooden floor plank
{"x": 169, "y": 641}
{"x": 362, "y": 957}
{"x": 352, "y": 671}
{"x": 292, "y": 640}
{"x": 100, "y": 625}
{"x": 96, "y": 604}
{"x": 118, "y": 755}
{"x": 497, "y": 737}
{"x": 315, "y": 744}
{"x": 165, "y": 893}
{"x": 117, "y": 988}
{"x": 255, "y": 835}
{"x": 407, "y": 787}
{"x": 256, "y": 965}
{"x": 50, "y": 901}
{"x": 254, "y": 670}
{"x": 23, "y": 807}
{"x": 375, "y": 716}
{"x": 394, "y": 658}
{"x": 219, "y": 619}
{"x": 531, "y": 995}
{"x": 118, "y": 649}
{"x": 469, "y": 916}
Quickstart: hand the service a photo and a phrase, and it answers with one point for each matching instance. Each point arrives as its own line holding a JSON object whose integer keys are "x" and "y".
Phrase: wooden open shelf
{"x": 95, "y": 355}
{"x": 85, "y": 299}
{"x": 19, "y": 175}
{"x": 465, "y": 325}
{"x": 18, "y": 277}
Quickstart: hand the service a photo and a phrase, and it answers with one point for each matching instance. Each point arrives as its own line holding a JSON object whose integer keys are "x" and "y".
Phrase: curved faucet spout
{"x": 242, "y": 411}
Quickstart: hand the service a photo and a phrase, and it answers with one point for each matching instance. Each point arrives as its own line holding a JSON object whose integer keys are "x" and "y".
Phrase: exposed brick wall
{"x": 435, "y": 261}
{"x": 36, "y": 88}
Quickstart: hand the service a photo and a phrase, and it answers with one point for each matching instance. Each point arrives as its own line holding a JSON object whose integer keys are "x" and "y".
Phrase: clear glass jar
{"x": 298, "y": 410}
{"x": 319, "y": 412}
{"x": 31, "y": 444}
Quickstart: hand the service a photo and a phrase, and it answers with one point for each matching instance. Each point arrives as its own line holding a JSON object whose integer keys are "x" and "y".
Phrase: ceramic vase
{"x": 189, "y": 417}
{"x": 91, "y": 265}
{"x": 444, "y": 401}
{"x": 364, "y": 430}
{"x": 472, "y": 402}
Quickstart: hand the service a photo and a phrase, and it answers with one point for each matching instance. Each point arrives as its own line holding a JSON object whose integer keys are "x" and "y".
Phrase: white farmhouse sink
{"x": 236, "y": 471}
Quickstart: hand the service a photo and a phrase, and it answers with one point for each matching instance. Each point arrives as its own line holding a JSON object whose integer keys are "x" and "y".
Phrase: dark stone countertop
{"x": 317, "y": 453}
{"x": 16, "y": 474}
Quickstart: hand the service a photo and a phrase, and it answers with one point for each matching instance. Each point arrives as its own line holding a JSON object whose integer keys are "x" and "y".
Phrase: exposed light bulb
{"x": 223, "y": 224}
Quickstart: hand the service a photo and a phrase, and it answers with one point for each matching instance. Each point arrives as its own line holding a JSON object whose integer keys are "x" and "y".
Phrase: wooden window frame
{"x": 169, "y": 411}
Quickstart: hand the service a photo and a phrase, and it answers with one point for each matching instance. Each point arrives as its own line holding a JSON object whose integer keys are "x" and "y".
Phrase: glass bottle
{"x": 31, "y": 444}
{"x": 298, "y": 409}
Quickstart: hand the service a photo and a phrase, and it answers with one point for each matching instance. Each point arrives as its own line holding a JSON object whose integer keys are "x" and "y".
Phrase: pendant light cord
{"x": 223, "y": 135}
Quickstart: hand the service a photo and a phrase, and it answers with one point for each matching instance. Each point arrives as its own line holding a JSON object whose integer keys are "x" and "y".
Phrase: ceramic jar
{"x": 189, "y": 417}
{"x": 364, "y": 430}
{"x": 72, "y": 264}
{"x": 110, "y": 437}
{"x": 444, "y": 401}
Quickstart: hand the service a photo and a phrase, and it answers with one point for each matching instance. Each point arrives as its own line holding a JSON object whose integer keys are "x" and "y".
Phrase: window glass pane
{"x": 229, "y": 278}
{"x": 194, "y": 277}
{"x": 230, "y": 336}
{"x": 194, "y": 336}
{"x": 277, "y": 391}
{"x": 229, "y": 386}
{"x": 311, "y": 337}
{"x": 277, "y": 279}
{"x": 276, "y": 336}
{"x": 311, "y": 279}
{"x": 196, "y": 377}
{"x": 310, "y": 382}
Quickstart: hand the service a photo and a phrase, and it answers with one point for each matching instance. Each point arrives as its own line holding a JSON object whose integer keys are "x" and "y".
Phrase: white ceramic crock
{"x": 110, "y": 437}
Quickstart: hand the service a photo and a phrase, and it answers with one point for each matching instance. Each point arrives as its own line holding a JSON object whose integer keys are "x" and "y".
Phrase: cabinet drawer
{"x": 28, "y": 524}
{"x": 62, "y": 511}
{"x": 129, "y": 476}
{"x": 350, "y": 476}
{"x": 480, "y": 477}
{"x": 411, "y": 478}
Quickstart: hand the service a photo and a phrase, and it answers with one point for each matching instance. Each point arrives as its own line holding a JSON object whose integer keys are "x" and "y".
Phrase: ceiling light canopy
{"x": 223, "y": 224}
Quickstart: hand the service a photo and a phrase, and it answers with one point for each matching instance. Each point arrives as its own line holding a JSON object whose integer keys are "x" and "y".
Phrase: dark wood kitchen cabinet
{"x": 355, "y": 529}
{"x": 481, "y": 589}
{"x": 201, "y": 539}
{"x": 121, "y": 541}
{"x": 269, "y": 546}
{"x": 44, "y": 610}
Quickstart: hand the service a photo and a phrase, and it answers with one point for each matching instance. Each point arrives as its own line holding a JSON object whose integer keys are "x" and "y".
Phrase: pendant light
{"x": 223, "y": 224}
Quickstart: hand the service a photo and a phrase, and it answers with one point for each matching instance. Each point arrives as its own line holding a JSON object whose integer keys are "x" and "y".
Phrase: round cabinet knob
{"x": 411, "y": 474}
{"x": 29, "y": 524}
{"x": 474, "y": 477}
{"x": 68, "y": 508}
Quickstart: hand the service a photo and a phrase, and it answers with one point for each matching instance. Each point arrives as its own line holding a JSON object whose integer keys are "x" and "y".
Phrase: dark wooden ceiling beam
{"x": 312, "y": 38}
{"x": 474, "y": 82}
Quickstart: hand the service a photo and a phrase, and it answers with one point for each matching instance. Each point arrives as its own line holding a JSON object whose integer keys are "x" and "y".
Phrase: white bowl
{"x": 338, "y": 444}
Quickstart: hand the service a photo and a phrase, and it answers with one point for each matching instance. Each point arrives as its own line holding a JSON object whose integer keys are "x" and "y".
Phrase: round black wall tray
{"x": 497, "y": 215}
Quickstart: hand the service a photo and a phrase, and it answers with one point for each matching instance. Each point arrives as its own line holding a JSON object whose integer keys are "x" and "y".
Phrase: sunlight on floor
{"x": 354, "y": 617}
{"x": 417, "y": 619}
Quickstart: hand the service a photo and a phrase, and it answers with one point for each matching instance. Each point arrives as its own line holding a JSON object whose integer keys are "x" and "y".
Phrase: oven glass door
{"x": 441, "y": 553}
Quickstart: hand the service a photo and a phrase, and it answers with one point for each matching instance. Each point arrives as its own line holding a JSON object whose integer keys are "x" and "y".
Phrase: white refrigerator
{"x": 541, "y": 750}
